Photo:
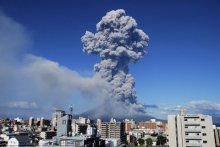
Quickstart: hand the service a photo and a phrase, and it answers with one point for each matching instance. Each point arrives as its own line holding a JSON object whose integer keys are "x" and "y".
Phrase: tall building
{"x": 42, "y": 121}
{"x": 64, "y": 126}
{"x": 217, "y": 136}
{"x": 98, "y": 123}
{"x": 74, "y": 126}
{"x": 56, "y": 115}
{"x": 129, "y": 125}
{"x": 113, "y": 129}
{"x": 91, "y": 131}
{"x": 31, "y": 121}
{"x": 190, "y": 130}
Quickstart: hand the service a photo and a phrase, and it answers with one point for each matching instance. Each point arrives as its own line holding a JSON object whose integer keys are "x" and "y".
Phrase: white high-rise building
{"x": 82, "y": 120}
{"x": 31, "y": 121}
{"x": 42, "y": 121}
{"x": 56, "y": 115}
{"x": 190, "y": 130}
{"x": 98, "y": 123}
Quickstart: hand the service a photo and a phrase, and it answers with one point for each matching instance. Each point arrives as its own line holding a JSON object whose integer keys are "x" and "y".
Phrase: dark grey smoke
{"x": 118, "y": 42}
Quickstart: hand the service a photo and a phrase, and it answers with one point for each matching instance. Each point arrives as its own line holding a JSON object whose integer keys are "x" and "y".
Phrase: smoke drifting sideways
{"x": 32, "y": 85}
{"x": 118, "y": 42}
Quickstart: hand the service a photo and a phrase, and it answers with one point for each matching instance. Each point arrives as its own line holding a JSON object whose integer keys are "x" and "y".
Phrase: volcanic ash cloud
{"x": 118, "y": 42}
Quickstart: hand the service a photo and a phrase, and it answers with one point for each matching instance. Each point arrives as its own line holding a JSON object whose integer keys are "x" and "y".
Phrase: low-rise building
{"x": 47, "y": 134}
{"x": 112, "y": 142}
{"x": 79, "y": 141}
{"x": 47, "y": 143}
{"x": 19, "y": 140}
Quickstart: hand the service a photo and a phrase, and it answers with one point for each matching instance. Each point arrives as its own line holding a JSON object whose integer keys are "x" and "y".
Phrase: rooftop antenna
{"x": 71, "y": 110}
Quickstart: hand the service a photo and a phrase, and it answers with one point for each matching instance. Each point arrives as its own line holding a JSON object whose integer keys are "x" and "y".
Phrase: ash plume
{"x": 118, "y": 42}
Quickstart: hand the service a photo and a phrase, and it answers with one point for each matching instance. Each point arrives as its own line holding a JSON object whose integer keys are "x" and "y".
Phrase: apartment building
{"x": 217, "y": 136}
{"x": 190, "y": 130}
{"x": 113, "y": 129}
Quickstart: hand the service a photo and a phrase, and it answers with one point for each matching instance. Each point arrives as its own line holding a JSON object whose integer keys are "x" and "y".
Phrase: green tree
{"x": 125, "y": 142}
{"x": 149, "y": 142}
{"x": 133, "y": 140}
{"x": 161, "y": 140}
{"x": 141, "y": 141}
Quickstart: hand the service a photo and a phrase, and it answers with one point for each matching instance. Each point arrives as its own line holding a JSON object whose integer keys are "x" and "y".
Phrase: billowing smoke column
{"x": 118, "y": 42}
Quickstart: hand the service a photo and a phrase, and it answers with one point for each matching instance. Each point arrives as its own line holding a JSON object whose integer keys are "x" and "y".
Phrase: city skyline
{"x": 44, "y": 49}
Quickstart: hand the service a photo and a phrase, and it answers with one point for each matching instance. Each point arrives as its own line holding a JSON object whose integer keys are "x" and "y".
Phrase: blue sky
{"x": 181, "y": 67}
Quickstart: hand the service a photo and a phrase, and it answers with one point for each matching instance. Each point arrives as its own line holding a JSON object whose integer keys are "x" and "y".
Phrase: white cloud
{"x": 204, "y": 105}
{"x": 23, "y": 105}
{"x": 31, "y": 82}
{"x": 195, "y": 106}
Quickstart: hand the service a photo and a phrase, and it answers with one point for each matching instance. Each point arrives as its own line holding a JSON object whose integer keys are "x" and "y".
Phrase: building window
{"x": 64, "y": 122}
{"x": 202, "y": 119}
{"x": 203, "y": 127}
{"x": 203, "y": 134}
{"x": 185, "y": 119}
{"x": 204, "y": 141}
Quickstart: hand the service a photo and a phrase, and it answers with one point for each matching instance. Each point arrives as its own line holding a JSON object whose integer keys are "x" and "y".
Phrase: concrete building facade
{"x": 47, "y": 134}
{"x": 113, "y": 130}
{"x": 64, "y": 126}
{"x": 190, "y": 130}
{"x": 19, "y": 140}
{"x": 56, "y": 115}
{"x": 31, "y": 121}
{"x": 217, "y": 136}
{"x": 129, "y": 125}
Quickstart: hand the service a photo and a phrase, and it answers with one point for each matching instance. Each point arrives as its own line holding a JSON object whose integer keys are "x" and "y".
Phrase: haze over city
{"x": 47, "y": 61}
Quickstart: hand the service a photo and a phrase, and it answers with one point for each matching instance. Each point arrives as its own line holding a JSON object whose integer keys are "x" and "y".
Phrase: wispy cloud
{"x": 150, "y": 106}
{"x": 195, "y": 106}
{"x": 31, "y": 82}
{"x": 204, "y": 106}
{"x": 22, "y": 105}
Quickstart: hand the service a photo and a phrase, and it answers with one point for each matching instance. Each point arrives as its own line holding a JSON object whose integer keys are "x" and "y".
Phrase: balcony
{"x": 191, "y": 137}
{"x": 192, "y": 130}
{"x": 193, "y": 144}
{"x": 196, "y": 123}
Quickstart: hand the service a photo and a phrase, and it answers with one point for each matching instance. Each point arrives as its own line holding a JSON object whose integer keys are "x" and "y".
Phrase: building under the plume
{"x": 82, "y": 126}
{"x": 190, "y": 130}
{"x": 64, "y": 126}
{"x": 112, "y": 129}
{"x": 129, "y": 125}
{"x": 56, "y": 115}
{"x": 153, "y": 126}
{"x": 31, "y": 121}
